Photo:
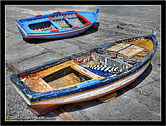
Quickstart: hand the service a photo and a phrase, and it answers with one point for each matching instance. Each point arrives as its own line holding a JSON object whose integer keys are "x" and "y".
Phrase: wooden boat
{"x": 56, "y": 25}
{"x": 86, "y": 75}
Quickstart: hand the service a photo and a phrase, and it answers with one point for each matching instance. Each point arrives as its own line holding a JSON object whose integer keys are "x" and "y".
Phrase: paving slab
{"x": 36, "y": 61}
{"x": 61, "y": 47}
{"x": 8, "y": 33}
{"x": 14, "y": 43}
{"x": 24, "y": 53}
{"x": 125, "y": 107}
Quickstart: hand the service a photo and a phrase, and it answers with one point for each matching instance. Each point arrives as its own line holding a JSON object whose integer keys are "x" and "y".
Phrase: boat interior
{"x": 97, "y": 64}
{"x": 58, "y": 21}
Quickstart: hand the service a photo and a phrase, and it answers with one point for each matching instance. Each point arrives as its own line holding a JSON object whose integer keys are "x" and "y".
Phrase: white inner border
{"x": 99, "y": 12}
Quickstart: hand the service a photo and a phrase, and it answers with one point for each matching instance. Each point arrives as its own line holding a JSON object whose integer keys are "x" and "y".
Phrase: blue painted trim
{"x": 124, "y": 48}
{"x": 88, "y": 83}
{"x": 70, "y": 22}
{"x": 56, "y": 25}
{"x": 21, "y": 31}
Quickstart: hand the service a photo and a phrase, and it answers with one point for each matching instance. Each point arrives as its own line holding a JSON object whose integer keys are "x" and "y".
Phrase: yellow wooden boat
{"x": 86, "y": 75}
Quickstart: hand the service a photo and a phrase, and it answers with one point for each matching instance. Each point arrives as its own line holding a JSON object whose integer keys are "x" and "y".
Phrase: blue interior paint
{"x": 88, "y": 83}
{"x": 98, "y": 72}
{"x": 56, "y": 25}
{"x": 70, "y": 21}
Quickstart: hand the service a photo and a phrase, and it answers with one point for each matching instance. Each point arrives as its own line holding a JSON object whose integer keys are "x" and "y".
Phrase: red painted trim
{"x": 75, "y": 27}
{"x": 37, "y": 15}
{"x": 49, "y": 17}
{"x": 64, "y": 15}
{"x": 81, "y": 61}
{"x": 71, "y": 11}
{"x": 29, "y": 75}
{"x": 87, "y": 23}
{"x": 54, "y": 30}
{"x": 83, "y": 18}
{"x": 20, "y": 74}
{"x": 56, "y": 12}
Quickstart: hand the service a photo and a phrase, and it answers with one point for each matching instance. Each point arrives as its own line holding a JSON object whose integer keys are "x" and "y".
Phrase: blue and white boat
{"x": 56, "y": 25}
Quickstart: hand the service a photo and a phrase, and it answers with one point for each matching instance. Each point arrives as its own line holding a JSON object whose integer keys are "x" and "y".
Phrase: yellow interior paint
{"x": 38, "y": 84}
{"x": 131, "y": 51}
{"x": 140, "y": 54}
{"x": 146, "y": 44}
{"x": 55, "y": 68}
{"x": 69, "y": 79}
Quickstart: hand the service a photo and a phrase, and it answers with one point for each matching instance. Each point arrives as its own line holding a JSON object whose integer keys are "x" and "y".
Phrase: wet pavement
{"x": 140, "y": 100}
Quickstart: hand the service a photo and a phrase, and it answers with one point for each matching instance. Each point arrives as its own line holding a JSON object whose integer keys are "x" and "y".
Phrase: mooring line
{"x": 61, "y": 112}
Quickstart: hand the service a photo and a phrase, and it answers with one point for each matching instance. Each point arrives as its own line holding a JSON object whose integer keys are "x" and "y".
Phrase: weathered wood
{"x": 108, "y": 97}
{"x": 42, "y": 109}
{"x": 64, "y": 115}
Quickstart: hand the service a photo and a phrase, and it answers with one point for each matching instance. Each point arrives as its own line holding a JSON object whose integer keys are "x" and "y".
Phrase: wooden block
{"x": 42, "y": 109}
{"x": 108, "y": 97}
{"x": 64, "y": 115}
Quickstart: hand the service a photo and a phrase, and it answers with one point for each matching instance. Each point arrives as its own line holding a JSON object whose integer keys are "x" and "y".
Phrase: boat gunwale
{"x": 60, "y": 32}
{"x": 36, "y": 96}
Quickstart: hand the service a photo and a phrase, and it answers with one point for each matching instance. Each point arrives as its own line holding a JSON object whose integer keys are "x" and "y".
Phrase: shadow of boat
{"x": 136, "y": 82}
